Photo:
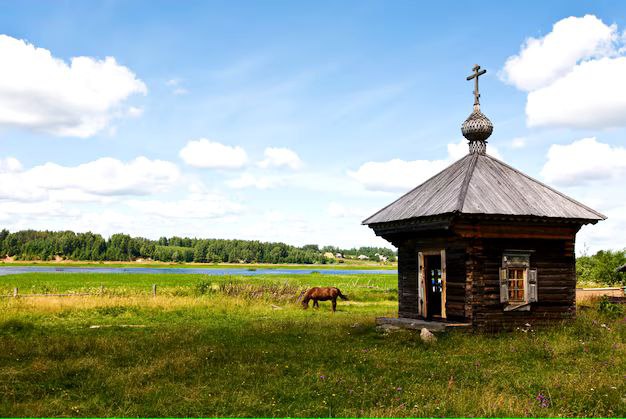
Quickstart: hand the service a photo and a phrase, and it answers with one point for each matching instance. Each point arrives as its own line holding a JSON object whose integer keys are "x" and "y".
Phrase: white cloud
{"x": 401, "y": 175}
{"x": 573, "y": 75}
{"x": 213, "y": 155}
{"x": 281, "y": 157}
{"x": 200, "y": 206}
{"x": 519, "y": 142}
{"x": 337, "y": 210}
{"x": 10, "y": 165}
{"x": 27, "y": 210}
{"x": 176, "y": 86}
{"x": 592, "y": 95}
{"x": 134, "y": 112}
{"x": 542, "y": 61}
{"x": 584, "y": 161}
{"x": 592, "y": 173}
{"x": 396, "y": 175}
{"x": 248, "y": 180}
{"x": 44, "y": 93}
{"x": 102, "y": 177}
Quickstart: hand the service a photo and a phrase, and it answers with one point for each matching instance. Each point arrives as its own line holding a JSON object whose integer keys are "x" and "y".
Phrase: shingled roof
{"x": 481, "y": 184}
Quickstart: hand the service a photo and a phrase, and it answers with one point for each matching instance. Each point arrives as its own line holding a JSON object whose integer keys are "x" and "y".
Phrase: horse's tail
{"x": 343, "y": 297}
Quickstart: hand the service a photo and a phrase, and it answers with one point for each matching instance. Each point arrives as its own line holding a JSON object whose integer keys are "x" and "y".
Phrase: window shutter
{"x": 504, "y": 285}
{"x": 532, "y": 285}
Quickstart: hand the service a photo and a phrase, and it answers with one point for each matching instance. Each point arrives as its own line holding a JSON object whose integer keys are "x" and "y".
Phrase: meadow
{"x": 241, "y": 346}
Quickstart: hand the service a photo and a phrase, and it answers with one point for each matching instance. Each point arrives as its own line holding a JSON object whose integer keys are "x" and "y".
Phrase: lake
{"x": 10, "y": 270}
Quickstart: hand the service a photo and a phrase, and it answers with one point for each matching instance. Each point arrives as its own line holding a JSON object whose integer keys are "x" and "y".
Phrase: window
{"x": 518, "y": 282}
{"x": 516, "y": 278}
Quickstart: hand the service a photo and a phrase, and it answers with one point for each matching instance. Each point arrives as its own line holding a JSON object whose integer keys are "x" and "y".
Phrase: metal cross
{"x": 477, "y": 73}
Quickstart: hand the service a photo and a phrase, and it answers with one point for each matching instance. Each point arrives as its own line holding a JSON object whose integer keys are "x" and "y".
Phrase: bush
{"x": 610, "y": 309}
{"x": 203, "y": 287}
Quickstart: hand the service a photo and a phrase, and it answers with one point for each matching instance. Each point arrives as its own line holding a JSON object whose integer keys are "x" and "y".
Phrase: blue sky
{"x": 299, "y": 118}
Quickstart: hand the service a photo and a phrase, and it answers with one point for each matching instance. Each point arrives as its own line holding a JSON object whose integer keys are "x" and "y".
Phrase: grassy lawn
{"x": 239, "y": 346}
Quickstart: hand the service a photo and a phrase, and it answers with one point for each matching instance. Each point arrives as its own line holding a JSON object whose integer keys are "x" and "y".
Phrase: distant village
{"x": 377, "y": 257}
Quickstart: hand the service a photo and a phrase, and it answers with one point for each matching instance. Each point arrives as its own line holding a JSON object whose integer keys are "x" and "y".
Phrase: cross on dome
{"x": 477, "y": 127}
{"x": 477, "y": 73}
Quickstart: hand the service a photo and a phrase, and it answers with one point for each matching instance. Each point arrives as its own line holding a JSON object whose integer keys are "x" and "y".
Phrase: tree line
{"x": 601, "y": 268}
{"x": 49, "y": 245}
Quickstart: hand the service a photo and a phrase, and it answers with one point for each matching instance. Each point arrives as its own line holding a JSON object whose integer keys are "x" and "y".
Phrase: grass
{"x": 239, "y": 346}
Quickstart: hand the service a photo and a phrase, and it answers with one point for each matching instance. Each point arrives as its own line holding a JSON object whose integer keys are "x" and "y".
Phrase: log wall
{"x": 555, "y": 262}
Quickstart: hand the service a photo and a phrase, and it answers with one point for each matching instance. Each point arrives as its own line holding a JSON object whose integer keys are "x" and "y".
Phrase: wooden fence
{"x": 585, "y": 294}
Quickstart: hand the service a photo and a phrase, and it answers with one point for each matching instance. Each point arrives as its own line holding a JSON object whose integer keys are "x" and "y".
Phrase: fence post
{"x": 15, "y": 292}
{"x": 154, "y": 290}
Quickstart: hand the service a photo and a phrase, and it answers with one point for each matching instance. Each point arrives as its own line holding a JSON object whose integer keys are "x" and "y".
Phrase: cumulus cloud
{"x": 593, "y": 173}
{"x": 44, "y": 93}
{"x": 10, "y": 165}
{"x": 102, "y": 177}
{"x": 573, "y": 75}
{"x": 401, "y": 175}
{"x": 209, "y": 154}
{"x": 584, "y": 161}
{"x": 592, "y": 95}
{"x": 200, "y": 206}
{"x": 396, "y": 175}
{"x": 281, "y": 157}
{"x": 541, "y": 61}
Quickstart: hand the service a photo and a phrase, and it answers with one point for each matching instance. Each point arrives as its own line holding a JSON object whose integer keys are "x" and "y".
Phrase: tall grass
{"x": 229, "y": 351}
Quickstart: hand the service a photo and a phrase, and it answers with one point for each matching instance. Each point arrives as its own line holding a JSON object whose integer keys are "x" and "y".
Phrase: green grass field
{"x": 240, "y": 346}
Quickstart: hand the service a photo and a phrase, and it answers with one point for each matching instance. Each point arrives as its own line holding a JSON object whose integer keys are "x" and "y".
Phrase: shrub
{"x": 203, "y": 287}
{"x": 610, "y": 309}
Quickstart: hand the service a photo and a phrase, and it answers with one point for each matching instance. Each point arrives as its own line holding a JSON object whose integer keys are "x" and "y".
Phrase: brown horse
{"x": 322, "y": 294}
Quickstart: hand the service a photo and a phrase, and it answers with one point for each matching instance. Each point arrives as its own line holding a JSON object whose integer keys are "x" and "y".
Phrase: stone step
{"x": 417, "y": 324}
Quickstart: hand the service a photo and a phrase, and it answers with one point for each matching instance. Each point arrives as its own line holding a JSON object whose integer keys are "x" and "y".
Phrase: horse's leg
{"x": 316, "y": 304}
{"x": 334, "y": 304}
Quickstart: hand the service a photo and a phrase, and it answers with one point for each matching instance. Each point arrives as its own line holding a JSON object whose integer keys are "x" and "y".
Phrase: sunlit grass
{"x": 228, "y": 353}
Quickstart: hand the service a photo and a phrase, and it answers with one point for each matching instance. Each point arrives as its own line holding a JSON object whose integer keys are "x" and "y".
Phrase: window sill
{"x": 517, "y": 307}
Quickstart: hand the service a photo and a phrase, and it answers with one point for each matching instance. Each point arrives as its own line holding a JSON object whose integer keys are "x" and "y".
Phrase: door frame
{"x": 422, "y": 295}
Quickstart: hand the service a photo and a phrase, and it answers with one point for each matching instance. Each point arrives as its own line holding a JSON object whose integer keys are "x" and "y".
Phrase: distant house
{"x": 363, "y": 257}
{"x": 338, "y": 256}
{"x": 483, "y": 243}
{"x": 381, "y": 258}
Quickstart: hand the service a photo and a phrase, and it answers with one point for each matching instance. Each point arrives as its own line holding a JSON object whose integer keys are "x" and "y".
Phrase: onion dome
{"x": 477, "y": 128}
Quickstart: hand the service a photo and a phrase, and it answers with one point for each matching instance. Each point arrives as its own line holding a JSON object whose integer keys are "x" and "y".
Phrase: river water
{"x": 9, "y": 270}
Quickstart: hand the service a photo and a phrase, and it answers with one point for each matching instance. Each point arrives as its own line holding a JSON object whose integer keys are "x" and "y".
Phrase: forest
{"x": 50, "y": 245}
